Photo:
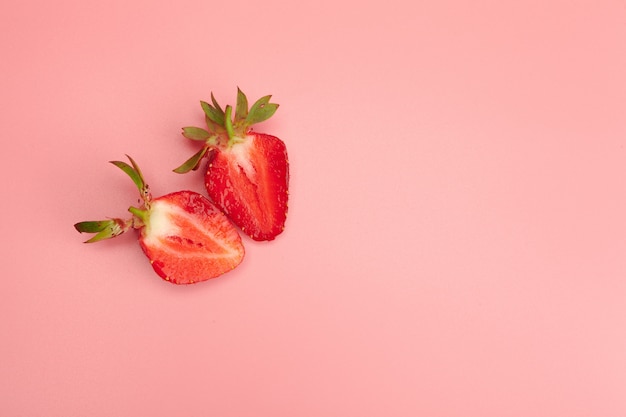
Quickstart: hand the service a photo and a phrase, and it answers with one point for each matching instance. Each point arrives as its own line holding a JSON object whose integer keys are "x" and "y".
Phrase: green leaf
{"x": 241, "y": 111}
{"x": 214, "y": 115}
{"x": 136, "y": 168}
{"x": 212, "y": 126}
{"x": 105, "y": 229}
{"x": 192, "y": 163}
{"x": 93, "y": 226}
{"x": 261, "y": 111}
{"x": 132, "y": 172}
{"x": 217, "y": 106}
{"x": 196, "y": 133}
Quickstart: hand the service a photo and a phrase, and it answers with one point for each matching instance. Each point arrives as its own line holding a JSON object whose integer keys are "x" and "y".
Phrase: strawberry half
{"x": 186, "y": 238}
{"x": 247, "y": 175}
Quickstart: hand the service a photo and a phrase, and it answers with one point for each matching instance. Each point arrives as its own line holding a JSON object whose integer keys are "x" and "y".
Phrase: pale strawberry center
{"x": 241, "y": 154}
{"x": 160, "y": 223}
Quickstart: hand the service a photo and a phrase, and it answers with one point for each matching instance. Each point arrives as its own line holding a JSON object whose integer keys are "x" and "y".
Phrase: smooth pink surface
{"x": 456, "y": 242}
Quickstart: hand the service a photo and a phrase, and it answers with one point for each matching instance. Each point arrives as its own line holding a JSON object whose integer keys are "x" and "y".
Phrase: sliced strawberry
{"x": 249, "y": 182}
{"x": 188, "y": 239}
{"x": 248, "y": 173}
{"x": 185, "y": 236}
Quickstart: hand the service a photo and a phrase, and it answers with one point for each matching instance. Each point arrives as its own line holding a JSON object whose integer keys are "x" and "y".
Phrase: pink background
{"x": 456, "y": 243}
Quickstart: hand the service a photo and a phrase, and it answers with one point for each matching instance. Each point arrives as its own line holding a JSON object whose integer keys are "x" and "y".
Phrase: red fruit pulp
{"x": 249, "y": 181}
{"x": 188, "y": 239}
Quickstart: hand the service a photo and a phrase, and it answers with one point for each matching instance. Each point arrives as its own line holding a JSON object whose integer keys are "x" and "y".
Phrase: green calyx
{"x": 106, "y": 229}
{"x": 223, "y": 128}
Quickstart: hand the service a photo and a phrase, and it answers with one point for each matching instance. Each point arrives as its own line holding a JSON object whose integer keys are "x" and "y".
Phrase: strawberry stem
{"x": 142, "y": 215}
{"x": 228, "y": 122}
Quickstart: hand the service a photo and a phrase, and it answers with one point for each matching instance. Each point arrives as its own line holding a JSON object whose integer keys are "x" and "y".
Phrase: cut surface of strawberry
{"x": 247, "y": 176}
{"x": 187, "y": 238}
{"x": 249, "y": 182}
{"x": 184, "y": 235}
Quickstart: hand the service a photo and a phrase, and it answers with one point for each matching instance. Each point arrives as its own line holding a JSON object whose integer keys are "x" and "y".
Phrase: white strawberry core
{"x": 241, "y": 155}
{"x": 160, "y": 224}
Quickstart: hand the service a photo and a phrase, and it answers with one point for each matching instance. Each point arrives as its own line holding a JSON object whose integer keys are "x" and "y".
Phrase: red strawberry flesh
{"x": 187, "y": 239}
{"x": 249, "y": 182}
